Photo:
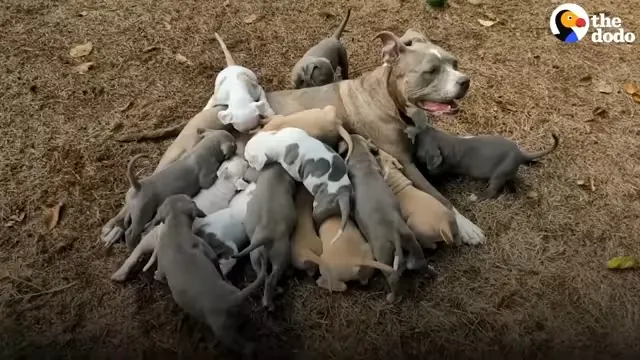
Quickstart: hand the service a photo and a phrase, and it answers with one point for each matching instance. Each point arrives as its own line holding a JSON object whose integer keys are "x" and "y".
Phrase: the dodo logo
{"x": 569, "y": 23}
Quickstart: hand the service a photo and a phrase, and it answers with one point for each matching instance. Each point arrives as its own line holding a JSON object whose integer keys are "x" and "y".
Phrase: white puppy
{"x": 228, "y": 226}
{"x": 229, "y": 181}
{"x": 237, "y": 87}
{"x": 320, "y": 169}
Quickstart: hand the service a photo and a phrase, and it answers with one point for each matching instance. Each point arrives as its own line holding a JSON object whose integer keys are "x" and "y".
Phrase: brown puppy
{"x": 348, "y": 258}
{"x": 306, "y": 246}
{"x": 322, "y": 124}
{"x": 378, "y": 215}
{"x": 429, "y": 220}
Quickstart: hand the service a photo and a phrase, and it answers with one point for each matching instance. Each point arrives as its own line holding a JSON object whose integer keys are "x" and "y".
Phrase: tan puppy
{"x": 429, "y": 220}
{"x": 348, "y": 258}
{"x": 306, "y": 246}
{"x": 322, "y": 124}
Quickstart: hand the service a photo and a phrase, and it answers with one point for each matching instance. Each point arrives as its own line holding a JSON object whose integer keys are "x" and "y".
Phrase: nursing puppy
{"x": 270, "y": 220}
{"x": 306, "y": 246}
{"x": 318, "y": 65}
{"x": 495, "y": 158}
{"x": 194, "y": 171}
{"x": 349, "y": 258}
{"x": 229, "y": 181}
{"x": 429, "y": 220}
{"x": 377, "y": 213}
{"x": 190, "y": 268}
{"x": 320, "y": 169}
{"x": 227, "y": 225}
{"x": 237, "y": 87}
{"x": 322, "y": 124}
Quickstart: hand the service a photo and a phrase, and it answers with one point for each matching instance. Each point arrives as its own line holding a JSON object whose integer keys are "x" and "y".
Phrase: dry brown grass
{"x": 538, "y": 289}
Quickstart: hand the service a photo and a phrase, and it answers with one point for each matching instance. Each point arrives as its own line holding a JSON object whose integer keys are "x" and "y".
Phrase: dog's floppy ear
{"x": 197, "y": 212}
{"x": 392, "y": 47}
{"x": 228, "y": 148}
{"x": 225, "y": 116}
{"x": 411, "y": 36}
{"x": 261, "y": 106}
{"x": 411, "y": 132}
{"x": 432, "y": 157}
{"x": 308, "y": 70}
{"x": 247, "y": 80}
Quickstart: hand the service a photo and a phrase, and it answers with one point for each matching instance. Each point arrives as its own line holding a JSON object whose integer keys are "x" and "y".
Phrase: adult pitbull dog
{"x": 415, "y": 74}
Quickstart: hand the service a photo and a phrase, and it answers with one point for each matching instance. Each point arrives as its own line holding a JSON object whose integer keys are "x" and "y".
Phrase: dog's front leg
{"x": 113, "y": 230}
{"x": 469, "y": 233}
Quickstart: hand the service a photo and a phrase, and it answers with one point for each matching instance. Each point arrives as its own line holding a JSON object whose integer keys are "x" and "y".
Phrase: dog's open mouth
{"x": 433, "y": 107}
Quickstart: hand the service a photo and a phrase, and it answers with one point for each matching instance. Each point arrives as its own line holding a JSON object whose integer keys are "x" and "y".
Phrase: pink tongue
{"x": 435, "y": 106}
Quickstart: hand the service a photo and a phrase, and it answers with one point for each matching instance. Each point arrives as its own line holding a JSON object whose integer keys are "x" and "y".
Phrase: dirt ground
{"x": 539, "y": 288}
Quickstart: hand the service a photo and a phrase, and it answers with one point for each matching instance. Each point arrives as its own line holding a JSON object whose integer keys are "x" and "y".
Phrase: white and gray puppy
{"x": 320, "y": 169}
{"x": 229, "y": 181}
{"x": 237, "y": 87}
{"x": 228, "y": 227}
{"x": 270, "y": 221}
{"x": 318, "y": 65}
{"x": 190, "y": 268}
{"x": 194, "y": 171}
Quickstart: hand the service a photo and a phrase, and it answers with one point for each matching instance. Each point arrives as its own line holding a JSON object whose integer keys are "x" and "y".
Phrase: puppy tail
{"x": 254, "y": 245}
{"x": 152, "y": 259}
{"x": 246, "y": 292}
{"x": 529, "y": 157}
{"x": 227, "y": 54}
{"x": 135, "y": 184}
{"x": 446, "y": 235}
{"x": 376, "y": 265}
{"x": 345, "y": 209}
{"x": 340, "y": 29}
{"x": 347, "y": 139}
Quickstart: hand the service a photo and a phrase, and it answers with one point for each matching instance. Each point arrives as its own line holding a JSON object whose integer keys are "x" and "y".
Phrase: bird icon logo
{"x": 569, "y": 23}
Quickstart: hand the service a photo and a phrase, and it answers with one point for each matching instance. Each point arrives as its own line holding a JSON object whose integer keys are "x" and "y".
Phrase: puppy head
{"x": 233, "y": 169}
{"x": 177, "y": 204}
{"x": 429, "y": 154}
{"x": 255, "y": 152}
{"x": 318, "y": 72}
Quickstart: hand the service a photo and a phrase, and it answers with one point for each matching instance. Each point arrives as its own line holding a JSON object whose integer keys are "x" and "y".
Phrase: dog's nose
{"x": 463, "y": 83}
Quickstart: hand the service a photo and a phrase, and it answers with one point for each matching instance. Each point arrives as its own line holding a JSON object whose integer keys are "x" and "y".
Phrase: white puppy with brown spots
{"x": 320, "y": 169}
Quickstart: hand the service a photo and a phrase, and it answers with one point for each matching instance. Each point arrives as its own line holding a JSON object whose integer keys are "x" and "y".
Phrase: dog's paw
{"x": 119, "y": 276}
{"x": 393, "y": 298}
{"x": 470, "y": 234}
{"x": 112, "y": 236}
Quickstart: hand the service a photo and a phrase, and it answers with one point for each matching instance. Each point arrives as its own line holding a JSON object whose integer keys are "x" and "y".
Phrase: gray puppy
{"x": 318, "y": 65}
{"x": 378, "y": 215}
{"x": 493, "y": 158}
{"x": 194, "y": 171}
{"x": 270, "y": 220}
{"x": 190, "y": 268}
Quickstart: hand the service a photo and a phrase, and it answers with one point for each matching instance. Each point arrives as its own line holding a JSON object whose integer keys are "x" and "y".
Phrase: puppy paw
{"x": 112, "y": 236}
{"x": 119, "y": 276}
{"x": 393, "y": 298}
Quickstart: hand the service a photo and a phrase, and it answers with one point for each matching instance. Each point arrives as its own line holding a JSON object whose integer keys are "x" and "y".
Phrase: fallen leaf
{"x": 83, "y": 68}
{"x": 585, "y": 80}
{"x": 474, "y": 2}
{"x": 623, "y": 262}
{"x": 580, "y": 182}
{"x": 532, "y": 194}
{"x": 600, "y": 111}
{"x": 251, "y": 18}
{"x": 636, "y": 97}
{"x": 631, "y": 87}
{"x": 486, "y": 23}
{"x": 84, "y": 13}
{"x": 81, "y": 50}
{"x": 126, "y": 106}
{"x": 18, "y": 217}
{"x": 605, "y": 88}
{"x": 225, "y": 3}
{"x": 592, "y": 184}
{"x": 167, "y": 26}
{"x": 150, "y": 48}
{"x": 182, "y": 59}
{"x": 52, "y": 216}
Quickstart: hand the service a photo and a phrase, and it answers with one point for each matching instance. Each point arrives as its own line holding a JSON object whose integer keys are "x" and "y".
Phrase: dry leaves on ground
{"x": 182, "y": 59}
{"x": 251, "y": 18}
{"x": 13, "y": 219}
{"x": 83, "y": 68}
{"x": 623, "y": 262}
{"x": 585, "y": 80}
{"x": 52, "y": 215}
{"x": 604, "y": 87}
{"x": 633, "y": 90}
{"x": 486, "y": 23}
{"x": 81, "y": 50}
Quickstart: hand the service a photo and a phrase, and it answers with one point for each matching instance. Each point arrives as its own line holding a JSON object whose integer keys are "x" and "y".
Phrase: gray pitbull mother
{"x": 415, "y": 74}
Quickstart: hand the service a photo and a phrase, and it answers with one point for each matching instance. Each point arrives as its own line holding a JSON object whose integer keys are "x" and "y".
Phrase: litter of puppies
{"x": 277, "y": 185}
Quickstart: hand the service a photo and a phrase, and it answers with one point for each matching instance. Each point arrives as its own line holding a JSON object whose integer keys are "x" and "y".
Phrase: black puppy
{"x": 493, "y": 158}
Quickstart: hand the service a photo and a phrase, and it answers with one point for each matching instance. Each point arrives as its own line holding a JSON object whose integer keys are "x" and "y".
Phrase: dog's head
{"x": 425, "y": 75}
{"x": 218, "y": 138}
{"x": 427, "y": 151}
{"x": 244, "y": 118}
{"x": 315, "y": 72}
{"x": 176, "y": 205}
{"x": 232, "y": 169}
{"x": 255, "y": 152}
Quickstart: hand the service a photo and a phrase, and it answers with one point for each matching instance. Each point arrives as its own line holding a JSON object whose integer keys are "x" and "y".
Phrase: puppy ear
{"x": 411, "y": 132}
{"x": 257, "y": 161}
{"x": 308, "y": 70}
{"x": 342, "y": 147}
{"x": 261, "y": 106}
{"x": 392, "y": 47}
{"x": 433, "y": 156}
{"x": 228, "y": 149}
{"x": 225, "y": 116}
{"x": 196, "y": 211}
{"x": 411, "y": 36}
{"x": 223, "y": 172}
